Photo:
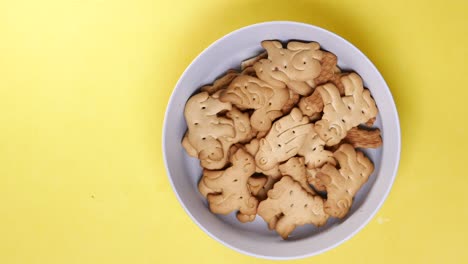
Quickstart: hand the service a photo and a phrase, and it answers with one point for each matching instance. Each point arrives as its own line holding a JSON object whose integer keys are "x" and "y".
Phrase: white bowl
{"x": 254, "y": 238}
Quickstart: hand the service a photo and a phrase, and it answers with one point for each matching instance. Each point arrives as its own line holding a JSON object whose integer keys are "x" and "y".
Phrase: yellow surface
{"x": 83, "y": 89}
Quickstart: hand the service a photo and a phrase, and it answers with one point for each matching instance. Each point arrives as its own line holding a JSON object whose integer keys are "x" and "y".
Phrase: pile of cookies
{"x": 279, "y": 137}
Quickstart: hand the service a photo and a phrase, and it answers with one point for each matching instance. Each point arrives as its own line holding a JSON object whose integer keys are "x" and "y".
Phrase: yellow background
{"x": 83, "y": 89}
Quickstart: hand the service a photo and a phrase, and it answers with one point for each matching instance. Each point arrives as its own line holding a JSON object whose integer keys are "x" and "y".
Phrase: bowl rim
{"x": 393, "y": 174}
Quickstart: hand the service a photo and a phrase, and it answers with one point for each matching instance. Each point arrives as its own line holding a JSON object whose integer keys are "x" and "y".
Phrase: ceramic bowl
{"x": 254, "y": 238}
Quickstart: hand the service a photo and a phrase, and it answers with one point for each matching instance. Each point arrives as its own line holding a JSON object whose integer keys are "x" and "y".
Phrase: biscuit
{"x": 261, "y": 134}
{"x": 363, "y": 138}
{"x": 252, "y": 146}
{"x": 315, "y": 117}
{"x": 242, "y": 133}
{"x": 295, "y": 67}
{"x": 288, "y": 205}
{"x": 312, "y": 104}
{"x": 330, "y": 71}
{"x": 295, "y": 168}
{"x": 340, "y": 114}
{"x": 342, "y": 185}
{"x": 284, "y": 140}
{"x": 313, "y": 150}
{"x": 205, "y": 128}
{"x": 315, "y": 156}
{"x": 260, "y": 192}
{"x": 250, "y": 71}
{"x": 229, "y": 189}
{"x": 248, "y": 92}
{"x": 272, "y": 175}
{"x": 314, "y": 181}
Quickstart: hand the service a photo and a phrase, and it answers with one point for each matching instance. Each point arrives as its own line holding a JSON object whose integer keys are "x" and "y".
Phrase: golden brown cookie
{"x": 363, "y": 138}
{"x": 250, "y": 71}
{"x": 242, "y": 133}
{"x": 289, "y": 205}
{"x": 248, "y": 92}
{"x": 295, "y": 67}
{"x": 272, "y": 175}
{"x": 313, "y": 180}
{"x": 330, "y": 72}
{"x": 205, "y": 128}
{"x": 343, "y": 184}
{"x": 260, "y": 192}
{"x": 343, "y": 113}
{"x": 295, "y": 168}
{"x": 312, "y": 104}
{"x": 252, "y": 148}
{"x": 284, "y": 140}
{"x": 228, "y": 190}
{"x": 313, "y": 150}
{"x": 315, "y": 156}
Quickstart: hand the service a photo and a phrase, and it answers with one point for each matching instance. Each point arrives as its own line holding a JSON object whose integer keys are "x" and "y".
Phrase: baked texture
{"x": 227, "y": 190}
{"x": 342, "y": 184}
{"x": 295, "y": 66}
{"x": 288, "y": 205}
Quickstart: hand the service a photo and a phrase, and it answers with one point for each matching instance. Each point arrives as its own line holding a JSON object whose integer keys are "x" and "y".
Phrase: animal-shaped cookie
{"x": 312, "y": 104}
{"x": 242, "y": 133}
{"x": 343, "y": 184}
{"x": 284, "y": 140}
{"x": 247, "y": 92}
{"x": 295, "y": 67}
{"x": 252, "y": 148}
{"x": 340, "y": 114}
{"x": 272, "y": 175}
{"x": 313, "y": 150}
{"x": 363, "y": 138}
{"x": 330, "y": 73}
{"x": 229, "y": 189}
{"x": 205, "y": 128}
{"x": 289, "y": 205}
{"x": 295, "y": 168}
{"x": 260, "y": 188}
